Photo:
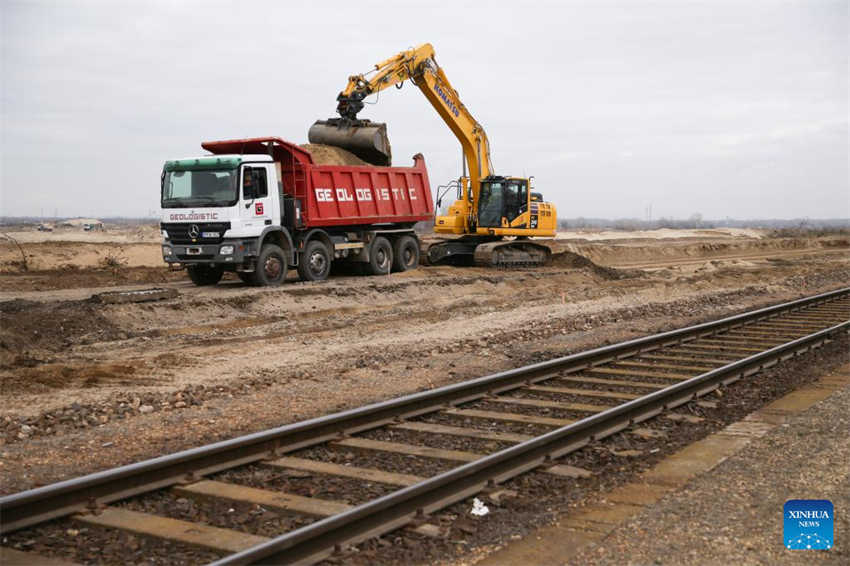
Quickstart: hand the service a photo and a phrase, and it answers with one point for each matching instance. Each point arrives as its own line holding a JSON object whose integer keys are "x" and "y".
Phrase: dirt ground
{"x": 87, "y": 385}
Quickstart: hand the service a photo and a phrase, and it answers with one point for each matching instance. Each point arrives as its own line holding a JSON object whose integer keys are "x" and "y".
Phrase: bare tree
{"x": 24, "y": 265}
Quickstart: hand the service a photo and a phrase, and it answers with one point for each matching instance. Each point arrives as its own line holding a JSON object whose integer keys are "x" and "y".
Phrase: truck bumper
{"x": 241, "y": 252}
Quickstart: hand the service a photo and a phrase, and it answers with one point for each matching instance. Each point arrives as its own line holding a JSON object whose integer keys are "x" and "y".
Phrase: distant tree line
{"x": 696, "y": 221}
{"x": 36, "y": 220}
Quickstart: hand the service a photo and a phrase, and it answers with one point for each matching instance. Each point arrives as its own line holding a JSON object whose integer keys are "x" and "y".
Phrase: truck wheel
{"x": 202, "y": 275}
{"x": 247, "y": 277}
{"x": 405, "y": 253}
{"x": 271, "y": 266}
{"x": 315, "y": 264}
{"x": 381, "y": 258}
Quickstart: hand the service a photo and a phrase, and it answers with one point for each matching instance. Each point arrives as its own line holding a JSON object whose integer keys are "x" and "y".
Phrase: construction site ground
{"x": 88, "y": 385}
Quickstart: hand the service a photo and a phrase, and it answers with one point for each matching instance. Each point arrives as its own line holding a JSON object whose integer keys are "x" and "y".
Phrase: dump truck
{"x": 260, "y": 206}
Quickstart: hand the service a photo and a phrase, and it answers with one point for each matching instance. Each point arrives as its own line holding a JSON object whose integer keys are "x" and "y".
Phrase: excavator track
{"x": 484, "y": 252}
{"x": 512, "y": 254}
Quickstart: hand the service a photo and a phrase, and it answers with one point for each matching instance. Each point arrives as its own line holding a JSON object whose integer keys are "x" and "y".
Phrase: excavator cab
{"x": 501, "y": 201}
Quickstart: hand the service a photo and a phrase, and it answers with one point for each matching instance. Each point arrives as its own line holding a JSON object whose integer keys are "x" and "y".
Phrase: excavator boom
{"x": 420, "y": 66}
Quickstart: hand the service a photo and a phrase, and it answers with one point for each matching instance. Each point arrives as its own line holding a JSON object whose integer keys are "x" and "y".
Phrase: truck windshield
{"x": 183, "y": 189}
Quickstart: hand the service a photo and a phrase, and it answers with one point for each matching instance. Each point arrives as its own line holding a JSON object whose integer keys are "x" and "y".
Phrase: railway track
{"x": 510, "y": 422}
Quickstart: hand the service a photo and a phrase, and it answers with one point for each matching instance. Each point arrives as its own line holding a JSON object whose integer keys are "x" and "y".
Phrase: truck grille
{"x": 179, "y": 232}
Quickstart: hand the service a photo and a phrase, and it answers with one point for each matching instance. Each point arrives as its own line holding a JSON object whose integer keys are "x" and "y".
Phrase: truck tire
{"x": 405, "y": 253}
{"x": 271, "y": 266}
{"x": 381, "y": 257}
{"x": 203, "y": 275}
{"x": 315, "y": 264}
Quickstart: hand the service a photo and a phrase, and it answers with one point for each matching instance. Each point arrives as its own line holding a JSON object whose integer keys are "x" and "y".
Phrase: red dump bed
{"x": 342, "y": 195}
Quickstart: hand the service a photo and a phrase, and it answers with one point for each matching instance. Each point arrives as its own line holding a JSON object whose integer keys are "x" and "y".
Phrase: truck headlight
{"x": 166, "y": 251}
{"x": 226, "y": 250}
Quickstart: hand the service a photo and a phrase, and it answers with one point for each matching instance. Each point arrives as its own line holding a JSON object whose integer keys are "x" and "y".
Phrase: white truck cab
{"x": 215, "y": 210}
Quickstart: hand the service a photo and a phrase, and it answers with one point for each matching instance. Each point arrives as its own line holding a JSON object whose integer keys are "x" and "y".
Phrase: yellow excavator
{"x": 488, "y": 208}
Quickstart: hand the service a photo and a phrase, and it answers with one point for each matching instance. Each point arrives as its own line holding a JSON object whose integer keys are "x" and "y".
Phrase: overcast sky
{"x": 735, "y": 109}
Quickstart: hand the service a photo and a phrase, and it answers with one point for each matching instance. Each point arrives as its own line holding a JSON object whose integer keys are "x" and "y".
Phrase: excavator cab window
{"x": 491, "y": 203}
{"x": 521, "y": 203}
{"x": 501, "y": 198}
{"x": 516, "y": 199}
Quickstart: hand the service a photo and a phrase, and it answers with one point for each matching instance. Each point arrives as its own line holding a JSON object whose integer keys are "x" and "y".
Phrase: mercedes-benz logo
{"x": 194, "y": 231}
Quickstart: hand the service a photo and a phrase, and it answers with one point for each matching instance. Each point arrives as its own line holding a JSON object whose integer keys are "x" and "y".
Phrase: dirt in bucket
{"x": 332, "y": 155}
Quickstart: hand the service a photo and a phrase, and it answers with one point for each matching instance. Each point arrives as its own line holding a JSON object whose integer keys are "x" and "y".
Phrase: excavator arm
{"x": 420, "y": 66}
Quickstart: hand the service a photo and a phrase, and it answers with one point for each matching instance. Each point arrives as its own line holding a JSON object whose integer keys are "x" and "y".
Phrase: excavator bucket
{"x": 365, "y": 139}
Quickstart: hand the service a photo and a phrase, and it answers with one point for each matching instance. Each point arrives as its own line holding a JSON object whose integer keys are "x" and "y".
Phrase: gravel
{"x": 732, "y": 515}
{"x": 308, "y": 484}
{"x": 220, "y": 513}
{"x": 484, "y": 424}
{"x": 97, "y": 545}
{"x": 441, "y": 441}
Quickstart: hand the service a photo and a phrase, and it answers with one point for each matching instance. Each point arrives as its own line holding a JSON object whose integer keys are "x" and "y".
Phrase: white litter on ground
{"x": 478, "y": 508}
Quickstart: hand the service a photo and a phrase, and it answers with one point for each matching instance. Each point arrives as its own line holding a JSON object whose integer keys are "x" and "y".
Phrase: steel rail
{"x": 318, "y": 540}
{"x": 75, "y": 495}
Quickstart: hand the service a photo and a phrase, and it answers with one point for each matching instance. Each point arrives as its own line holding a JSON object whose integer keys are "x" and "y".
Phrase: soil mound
{"x": 576, "y": 261}
{"x": 50, "y": 326}
{"x": 332, "y": 155}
